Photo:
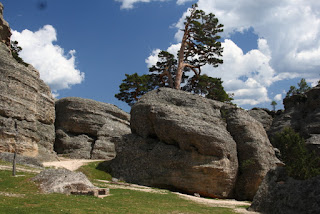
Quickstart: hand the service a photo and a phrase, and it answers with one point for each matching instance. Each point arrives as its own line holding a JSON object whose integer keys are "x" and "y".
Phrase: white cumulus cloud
{"x": 291, "y": 29}
{"x": 248, "y": 75}
{"x": 180, "y": 2}
{"x": 56, "y": 68}
{"x": 278, "y": 97}
{"x": 129, "y": 4}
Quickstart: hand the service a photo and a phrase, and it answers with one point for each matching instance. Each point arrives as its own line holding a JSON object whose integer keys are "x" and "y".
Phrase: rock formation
{"x": 264, "y": 116}
{"x": 88, "y": 129}
{"x": 62, "y": 181}
{"x": 302, "y": 113}
{"x": 185, "y": 142}
{"x": 26, "y": 106}
{"x": 280, "y": 193}
{"x": 5, "y": 32}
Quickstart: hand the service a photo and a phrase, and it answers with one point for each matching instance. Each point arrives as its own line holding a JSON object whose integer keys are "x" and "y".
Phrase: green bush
{"x": 300, "y": 163}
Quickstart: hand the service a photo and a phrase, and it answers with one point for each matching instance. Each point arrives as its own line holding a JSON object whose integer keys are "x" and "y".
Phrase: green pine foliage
{"x": 134, "y": 86}
{"x": 200, "y": 46}
{"x": 302, "y": 88}
{"x": 300, "y": 163}
{"x": 15, "y": 49}
{"x": 208, "y": 87}
{"x": 274, "y": 103}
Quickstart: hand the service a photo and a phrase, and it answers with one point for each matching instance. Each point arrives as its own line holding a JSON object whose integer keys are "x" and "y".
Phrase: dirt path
{"x": 71, "y": 164}
{"x": 20, "y": 169}
{"x": 219, "y": 203}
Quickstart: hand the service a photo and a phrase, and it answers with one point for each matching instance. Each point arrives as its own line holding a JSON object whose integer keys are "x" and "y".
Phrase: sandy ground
{"x": 71, "y": 164}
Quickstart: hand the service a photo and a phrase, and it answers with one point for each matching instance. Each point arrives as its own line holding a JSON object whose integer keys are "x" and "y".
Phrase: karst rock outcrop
{"x": 302, "y": 113}
{"x": 89, "y": 129}
{"x": 185, "y": 142}
{"x": 5, "y": 32}
{"x": 26, "y": 106}
{"x": 279, "y": 193}
{"x": 264, "y": 116}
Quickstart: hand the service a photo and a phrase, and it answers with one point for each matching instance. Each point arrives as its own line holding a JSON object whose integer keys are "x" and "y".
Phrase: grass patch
{"x": 120, "y": 201}
{"x": 95, "y": 170}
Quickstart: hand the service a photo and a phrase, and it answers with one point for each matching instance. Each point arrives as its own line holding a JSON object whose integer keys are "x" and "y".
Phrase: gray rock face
{"x": 62, "y": 181}
{"x": 255, "y": 153}
{"x": 186, "y": 142}
{"x": 26, "y": 109}
{"x": 262, "y": 116}
{"x": 281, "y": 194}
{"x": 302, "y": 113}
{"x": 88, "y": 129}
{"x": 5, "y": 32}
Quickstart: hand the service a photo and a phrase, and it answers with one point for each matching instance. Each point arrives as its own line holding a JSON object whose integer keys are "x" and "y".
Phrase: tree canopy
{"x": 134, "y": 86}
{"x": 199, "y": 46}
{"x": 303, "y": 87}
{"x": 274, "y": 103}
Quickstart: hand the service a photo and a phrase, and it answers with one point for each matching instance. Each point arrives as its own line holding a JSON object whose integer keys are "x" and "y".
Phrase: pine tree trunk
{"x": 181, "y": 63}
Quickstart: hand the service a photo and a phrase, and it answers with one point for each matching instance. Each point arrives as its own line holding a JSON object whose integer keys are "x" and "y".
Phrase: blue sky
{"x": 85, "y": 49}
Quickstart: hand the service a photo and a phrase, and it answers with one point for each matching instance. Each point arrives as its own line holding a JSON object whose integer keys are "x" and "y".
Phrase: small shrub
{"x": 300, "y": 163}
{"x": 15, "y": 49}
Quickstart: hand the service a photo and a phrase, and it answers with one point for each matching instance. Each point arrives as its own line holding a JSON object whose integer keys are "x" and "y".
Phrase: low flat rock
{"x": 62, "y": 181}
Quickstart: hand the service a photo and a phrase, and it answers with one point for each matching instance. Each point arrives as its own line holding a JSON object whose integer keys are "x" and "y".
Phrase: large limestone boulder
{"x": 280, "y": 193}
{"x": 26, "y": 106}
{"x": 185, "y": 142}
{"x": 302, "y": 113}
{"x": 89, "y": 129}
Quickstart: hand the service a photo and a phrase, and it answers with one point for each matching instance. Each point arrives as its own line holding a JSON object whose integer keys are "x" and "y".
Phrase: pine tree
{"x": 274, "y": 103}
{"x": 199, "y": 45}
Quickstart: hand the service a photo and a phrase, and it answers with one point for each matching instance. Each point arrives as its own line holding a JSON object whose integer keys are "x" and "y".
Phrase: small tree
{"x": 15, "y": 49}
{"x": 300, "y": 163}
{"x": 274, "y": 103}
{"x": 303, "y": 87}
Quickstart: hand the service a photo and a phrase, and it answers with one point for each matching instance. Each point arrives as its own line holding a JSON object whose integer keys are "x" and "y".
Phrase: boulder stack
{"x": 185, "y": 142}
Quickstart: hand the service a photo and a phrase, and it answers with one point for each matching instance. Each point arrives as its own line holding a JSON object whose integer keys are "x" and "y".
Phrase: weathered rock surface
{"x": 26, "y": 107}
{"x": 281, "y": 194}
{"x": 24, "y": 160}
{"x": 5, "y": 32}
{"x": 255, "y": 153}
{"x": 302, "y": 113}
{"x": 88, "y": 129}
{"x": 263, "y": 116}
{"x": 186, "y": 142}
{"x": 62, "y": 181}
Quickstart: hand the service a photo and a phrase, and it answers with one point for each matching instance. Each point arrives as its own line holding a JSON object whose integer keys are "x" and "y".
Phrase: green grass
{"x": 95, "y": 170}
{"x": 120, "y": 201}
